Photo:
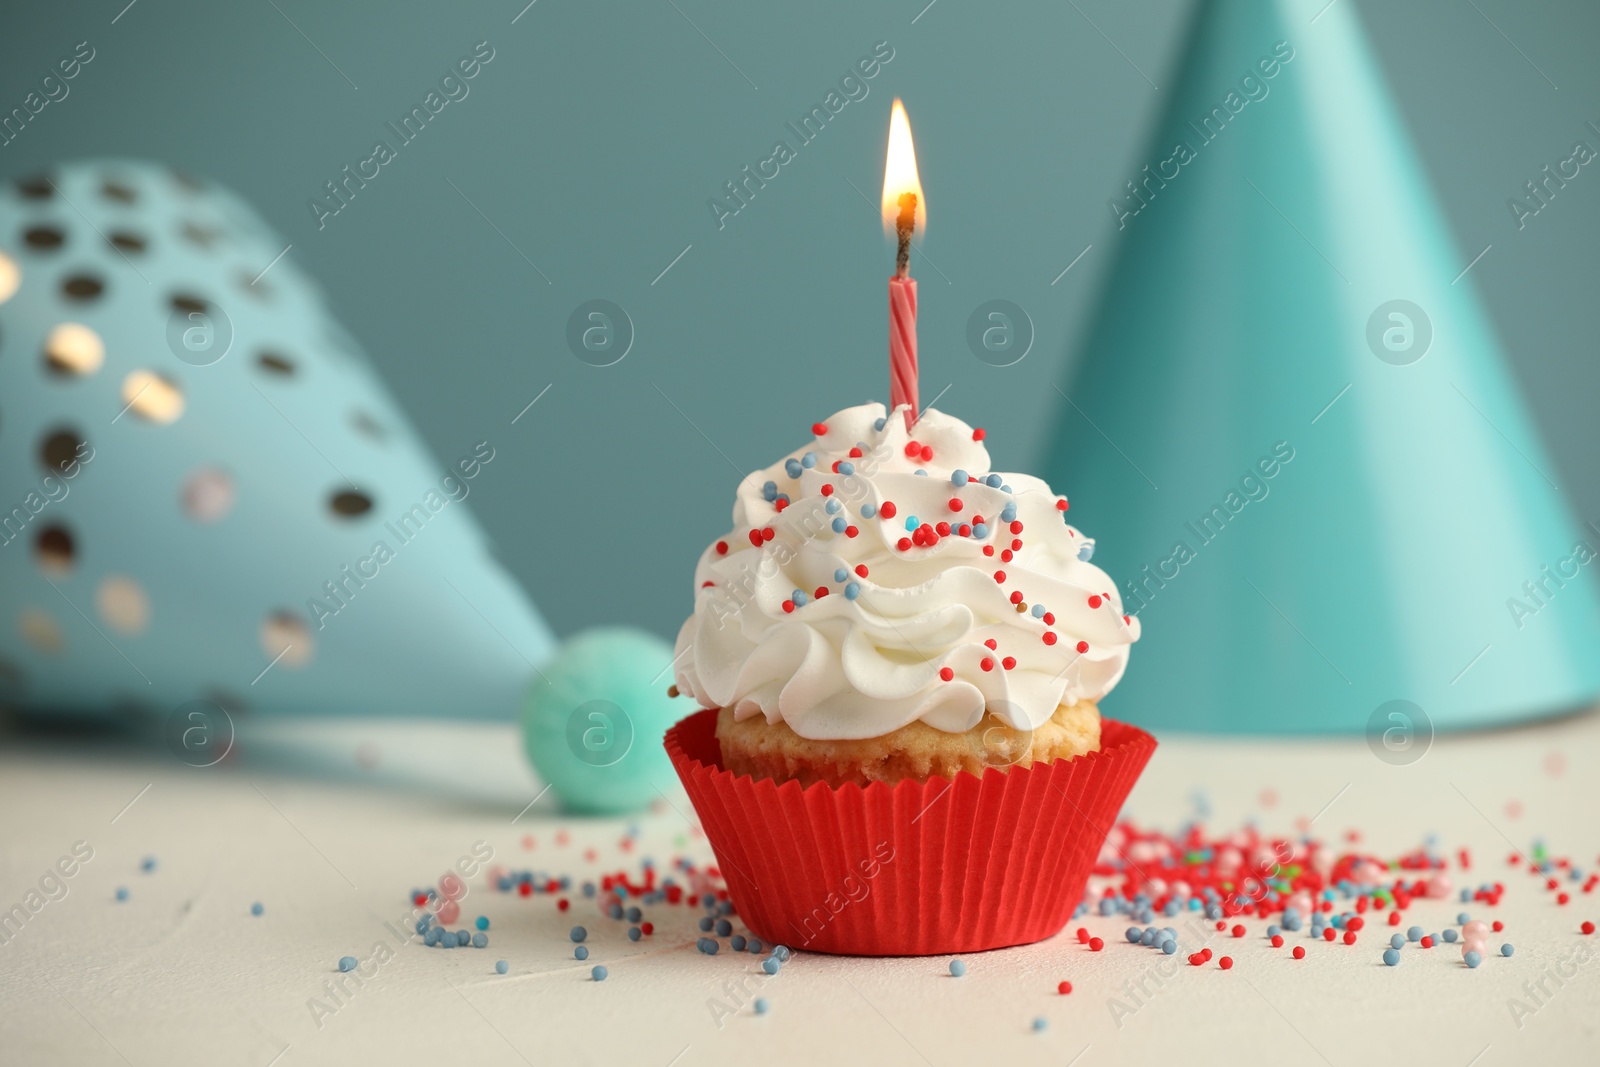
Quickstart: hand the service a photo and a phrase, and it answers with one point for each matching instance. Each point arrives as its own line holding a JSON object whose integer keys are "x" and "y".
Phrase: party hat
{"x": 206, "y": 493}
{"x": 1291, "y": 430}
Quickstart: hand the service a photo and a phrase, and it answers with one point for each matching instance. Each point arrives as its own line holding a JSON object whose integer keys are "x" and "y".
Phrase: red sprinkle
{"x": 1330, "y": 934}
{"x": 904, "y": 544}
{"x": 819, "y": 428}
{"x": 1016, "y": 596}
{"x": 861, "y": 570}
{"x": 978, "y": 435}
{"x": 1083, "y": 646}
{"x": 1277, "y": 940}
{"x": 1009, "y": 662}
{"x": 887, "y": 510}
{"x": 850, "y": 531}
{"x": 956, "y": 504}
{"x": 788, "y": 606}
{"x": 1587, "y": 927}
{"x": 827, "y": 488}
{"x": 1050, "y": 637}
{"x": 1299, "y": 952}
{"x": 822, "y": 591}
{"x": 927, "y": 453}
{"x": 1096, "y": 944}
{"x": 1094, "y": 601}
{"x": 1061, "y": 505}
{"x": 1238, "y": 930}
{"x": 1427, "y": 941}
{"x": 946, "y": 673}
{"x": 722, "y": 548}
{"x": 1349, "y": 937}
{"x": 1226, "y": 963}
{"x": 647, "y": 928}
{"x": 1000, "y": 576}
{"x": 1065, "y": 987}
{"x": 990, "y": 642}
{"x": 563, "y": 904}
{"x": 986, "y": 663}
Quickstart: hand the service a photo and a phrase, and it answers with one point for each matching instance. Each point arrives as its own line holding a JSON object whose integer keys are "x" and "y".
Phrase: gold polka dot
{"x": 74, "y": 350}
{"x": 285, "y": 635}
{"x": 208, "y": 494}
{"x": 40, "y": 630}
{"x": 123, "y": 604}
{"x": 153, "y": 397}
{"x": 10, "y": 277}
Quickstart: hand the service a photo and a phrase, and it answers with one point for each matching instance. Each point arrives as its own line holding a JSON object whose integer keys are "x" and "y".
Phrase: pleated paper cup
{"x": 913, "y": 869}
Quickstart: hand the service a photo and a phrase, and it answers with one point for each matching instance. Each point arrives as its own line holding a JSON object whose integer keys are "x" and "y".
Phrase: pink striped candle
{"x": 903, "y": 211}
{"x": 903, "y": 345}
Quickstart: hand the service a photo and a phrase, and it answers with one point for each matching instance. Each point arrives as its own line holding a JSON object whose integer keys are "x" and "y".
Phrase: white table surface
{"x": 181, "y": 973}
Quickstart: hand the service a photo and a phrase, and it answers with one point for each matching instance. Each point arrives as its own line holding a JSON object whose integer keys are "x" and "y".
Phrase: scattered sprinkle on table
{"x": 957, "y": 968}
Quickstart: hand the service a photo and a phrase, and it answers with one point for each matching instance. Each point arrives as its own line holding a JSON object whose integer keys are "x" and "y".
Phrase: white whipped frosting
{"x": 862, "y": 662}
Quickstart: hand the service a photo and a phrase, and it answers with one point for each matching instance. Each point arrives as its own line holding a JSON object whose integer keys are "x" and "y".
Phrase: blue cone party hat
{"x": 1291, "y": 430}
{"x": 207, "y": 495}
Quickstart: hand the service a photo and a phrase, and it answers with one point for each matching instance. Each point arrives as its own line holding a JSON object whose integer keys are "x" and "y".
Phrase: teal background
{"x": 597, "y": 134}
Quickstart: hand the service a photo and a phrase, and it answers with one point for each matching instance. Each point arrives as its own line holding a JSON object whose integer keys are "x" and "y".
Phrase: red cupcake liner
{"x": 914, "y": 869}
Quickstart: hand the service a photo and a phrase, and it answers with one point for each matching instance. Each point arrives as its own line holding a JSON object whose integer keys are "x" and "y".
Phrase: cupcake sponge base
{"x": 916, "y": 751}
{"x": 916, "y": 868}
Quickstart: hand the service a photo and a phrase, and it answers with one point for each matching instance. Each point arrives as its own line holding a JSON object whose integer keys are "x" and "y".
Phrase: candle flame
{"x": 900, "y": 172}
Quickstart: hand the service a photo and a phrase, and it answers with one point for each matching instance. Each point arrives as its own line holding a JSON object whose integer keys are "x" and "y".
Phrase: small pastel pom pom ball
{"x": 594, "y": 729}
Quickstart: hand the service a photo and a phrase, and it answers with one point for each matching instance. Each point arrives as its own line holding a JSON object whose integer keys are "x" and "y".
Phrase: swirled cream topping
{"x": 879, "y": 576}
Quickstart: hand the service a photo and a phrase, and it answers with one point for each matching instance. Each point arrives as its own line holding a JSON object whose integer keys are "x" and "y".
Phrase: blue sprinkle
{"x": 839, "y": 525}
{"x": 879, "y": 424}
{"x": 737, "y": 944}
{"x": 771, "y": 965}
{"x": 782, "y": 952}
{"x": 635, "y": 915}
{"x": 1463, "y": 919}
{"x": 841, "y": 575}
{"x": 957, "y": 968}
{"x": 580, "y": 953}
{"x": 1148, "y": 937}
{"x": 1086, "y": 552}
{"x": 724, "y": 928}
{"x": 634, "y": 933}
{"x": 122, "y": 892}
{"x": 792, "y": 468}
{"x": 912, "y": 522}
{"x": 959, "y": 478}
{"x": 148, "y": 864}
{"x": 1039, "y": 1023}
{"x": 706, "y": 924}
{"x": 799, "y": 599}
{"x": 1473, "y": 959}
{"x": 846, "y": 467}
{"x": 1169, "y": 946}
{"x": 347, "y": 963}
{"x": 480, "y": 940}
{"x": 482, "y": 922}
{"x": 1397, "y": 941}
{"x": 1038, "y": 613}
{"x": 808, "y": 460}
{"x": 1507, "y": 949}
{"x": 760, "y": 1005}
{"x": 1466, "y": 896}
{"x": 755, "y": 946}
{"x": 1133, "y": 935}
{"x": 578, "y": 934}
{"x": 431, "y": 938}
{"x": 1005, "y": 489}
{"x": 869, "y": 511}
{"x": 921, "y": 472}
{"x": 980, "y": 530}
{"x": 712, "y": 946}
{"x": 1450, "y": 936}
{"x": 852, "y": 590}
{"x": 1008, "y": 513}
{"x": 1273, "y": 930}
{"x": 993, "y": 481}
{"x": 1391, "y": 956}
{"x": 615, "y": 911}
{"x": 501, "y": 966}
{"x": 769, "y": 490}
{"x": 833, "y": 506}
{"x": 257, "y": 909}
{"x": 1414, "y": 933}
{"x": 598, "y": 974}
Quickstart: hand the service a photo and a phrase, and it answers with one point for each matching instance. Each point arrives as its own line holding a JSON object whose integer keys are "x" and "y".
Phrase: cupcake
{"x": 901, "y": 654}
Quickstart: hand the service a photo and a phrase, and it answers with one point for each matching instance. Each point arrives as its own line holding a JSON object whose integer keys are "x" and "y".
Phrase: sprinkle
{"x": 148, "y": 864}
{"x": 1472, "y": 958}
{"x": 792, "y": 468}
{"x": 980, "y": 530}
{"x": 847, "y": 468}
{"x": 599, "y": 974}
{"x": 1507, "y": 949}
{"x": 986, "y": 663}
{"x": 1009, "y": 663}
{"x": 256, "y": 908}
{"x": 840, "y": 575}
{"x": 347, "y": 963}
{"x": 1039, "y": 1023}
{"x": 634, "y": 933}
{"x": 482, "y": 922}
{"x": 1398, "y": 941}
{"x": 959, "y": 478}
{"x": 869, "y": 511}
{"x": 1169, "y": 946}
{"x": 879, "y": 424}
{"x": 852, "y": 590}
{"x": 1083, "y": 646}
{"x": 993, "y": 481}
{"x": 480, "y": 940}
{"x": 580, "y": 953}
{"x": 122, "y": 892}
{"x": 887, "y": 509}
{"x": 1277, "y": 940}
{"x": 724, "y": 928}
{"x": 1226, "y": 963}
{"x": 957, "y": 968}
{"x": 808, "y": 460}
{"x": 1299, "y": 952}
{"x": 1587, "y": 927}
{"x": 760, "y": 1005}
{"x": 737, "y": 944}
{"x": 1096, "y": 944}
{"x": 1414, "y": 933}
{"x": 1391, "y": 956}
{"x": 578, "y": 934}
{"x": 978, "y": 434}
{"x": 771, "y": 965}
{"x": 956, "y": 504}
